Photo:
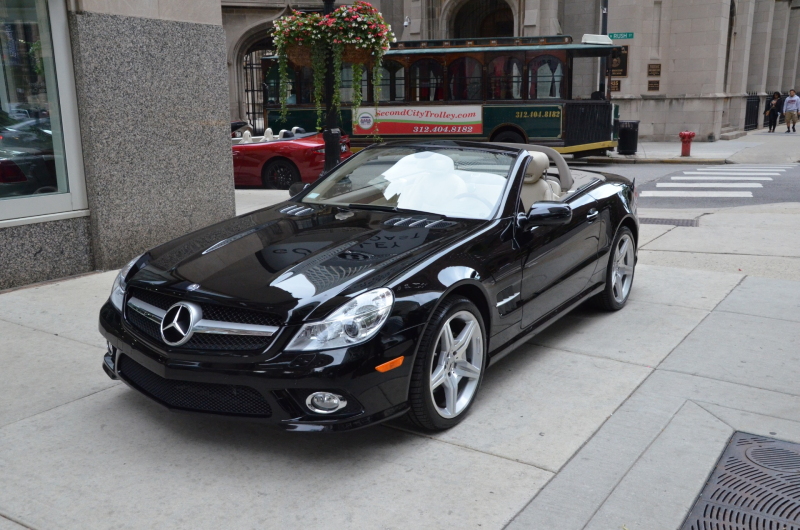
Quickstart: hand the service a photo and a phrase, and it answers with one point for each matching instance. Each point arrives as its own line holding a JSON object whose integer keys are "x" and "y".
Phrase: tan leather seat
{"x": 534, "y": 187}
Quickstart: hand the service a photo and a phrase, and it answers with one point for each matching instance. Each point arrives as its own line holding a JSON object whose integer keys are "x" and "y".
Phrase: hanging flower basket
{"x": 299, "y": 55}
{"x": 356, "y": 54}
{"x": 355, "y": 34}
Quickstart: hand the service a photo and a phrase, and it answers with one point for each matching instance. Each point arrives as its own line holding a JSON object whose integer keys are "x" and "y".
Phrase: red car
{"x": 277, "y": 162}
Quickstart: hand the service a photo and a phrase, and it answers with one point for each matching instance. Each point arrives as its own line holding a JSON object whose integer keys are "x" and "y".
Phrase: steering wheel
{"x": 489, "y": 205}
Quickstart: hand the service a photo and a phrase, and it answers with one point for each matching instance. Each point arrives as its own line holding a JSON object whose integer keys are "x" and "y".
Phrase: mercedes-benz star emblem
{"x": 179, "y": 321}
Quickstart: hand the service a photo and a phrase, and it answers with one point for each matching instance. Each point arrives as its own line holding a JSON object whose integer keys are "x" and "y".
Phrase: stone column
{"x": 739, "y": 64}
{"x": 777, "y": 46}
{"x": 760, "y": 46}
{"x": 792, "y": 47}
{"x": 548, "y": 18}
{"x": 581, "y": 17}
{"x": 152, "y": 93}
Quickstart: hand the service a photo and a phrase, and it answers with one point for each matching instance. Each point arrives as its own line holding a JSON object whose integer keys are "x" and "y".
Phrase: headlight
{"x": 118, "y": 290}
{"x": 355, "y": 322}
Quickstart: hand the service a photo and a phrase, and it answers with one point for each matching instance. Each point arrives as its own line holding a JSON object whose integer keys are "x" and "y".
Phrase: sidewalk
{"x": 603, "y": 420}
{"x": 756, "y": 147}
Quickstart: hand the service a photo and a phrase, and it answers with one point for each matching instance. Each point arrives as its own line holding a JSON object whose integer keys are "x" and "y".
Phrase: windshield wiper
{"x": 373, "y": 207}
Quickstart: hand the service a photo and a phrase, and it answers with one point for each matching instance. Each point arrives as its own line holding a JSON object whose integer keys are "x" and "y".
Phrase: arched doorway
{"x": 484, "y": 18}
{"x": 253, "y": 92}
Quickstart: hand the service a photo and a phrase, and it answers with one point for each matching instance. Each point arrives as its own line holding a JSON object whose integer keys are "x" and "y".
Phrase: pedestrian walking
{"x": 773, "y": 111}
{"x": 790, "y": 108}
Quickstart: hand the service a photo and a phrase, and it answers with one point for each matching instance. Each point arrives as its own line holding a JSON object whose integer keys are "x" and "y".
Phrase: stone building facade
{"x": 115, "y": 131}
{"x": 709, "y": 55}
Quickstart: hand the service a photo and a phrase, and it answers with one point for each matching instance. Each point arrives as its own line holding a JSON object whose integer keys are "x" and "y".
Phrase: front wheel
{"x": 449, "y": 366}
{"x": 280, "y": 175}
{"x": 619, "y": 274}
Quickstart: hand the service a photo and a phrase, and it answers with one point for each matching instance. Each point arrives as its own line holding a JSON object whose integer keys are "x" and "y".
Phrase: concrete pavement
{"x": 757, "y": 146}
{"x": 603, "y": 420}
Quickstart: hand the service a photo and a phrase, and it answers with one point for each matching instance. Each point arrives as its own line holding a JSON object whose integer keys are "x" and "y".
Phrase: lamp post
{"x": 331, "y": 134}
{"x": 603, "y": 31}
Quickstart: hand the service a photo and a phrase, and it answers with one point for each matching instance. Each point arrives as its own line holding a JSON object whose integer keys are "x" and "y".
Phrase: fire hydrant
{"x": 686, "y": 140}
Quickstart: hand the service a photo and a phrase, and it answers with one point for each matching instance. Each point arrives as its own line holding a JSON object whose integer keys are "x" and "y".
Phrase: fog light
{"x": 325, "y": 402}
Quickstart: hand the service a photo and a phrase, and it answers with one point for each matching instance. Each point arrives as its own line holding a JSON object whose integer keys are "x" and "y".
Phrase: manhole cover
{"x": 755, "y": 486}
{"x": 673, "y": 222}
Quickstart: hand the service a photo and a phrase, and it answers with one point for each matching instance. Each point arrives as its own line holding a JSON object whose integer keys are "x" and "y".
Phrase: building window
{"x": 31, "y": 141}
{"x": 41, "y": 171}
{"x": 393, "y": 82}
{"x": 426, "y": 81}
{"x": 546, "y": 76}
{"x": 505, "y": 78}
{"x": 465, "y": 77}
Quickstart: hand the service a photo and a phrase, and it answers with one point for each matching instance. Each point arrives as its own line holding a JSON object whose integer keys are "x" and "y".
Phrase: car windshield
{"x": 462, "y": 183}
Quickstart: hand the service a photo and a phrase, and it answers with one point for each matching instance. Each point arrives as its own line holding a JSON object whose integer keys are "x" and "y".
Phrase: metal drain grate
{"x": 755, "y": 486}
{"x": 674, "y": 222}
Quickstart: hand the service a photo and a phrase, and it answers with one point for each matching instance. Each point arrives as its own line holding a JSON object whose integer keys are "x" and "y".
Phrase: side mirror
{"x": 296, "y": 188}
{"x": 549, "y": 213}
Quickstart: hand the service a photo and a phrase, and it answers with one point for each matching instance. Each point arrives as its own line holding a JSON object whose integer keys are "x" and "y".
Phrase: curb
{"x": 688, "y": 160}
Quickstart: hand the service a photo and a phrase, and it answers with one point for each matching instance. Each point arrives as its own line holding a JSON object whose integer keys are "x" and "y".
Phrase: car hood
{"x": 290, "y": 259}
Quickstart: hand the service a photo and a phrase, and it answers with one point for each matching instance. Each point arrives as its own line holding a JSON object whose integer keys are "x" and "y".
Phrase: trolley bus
{"x": 516, "y": 90}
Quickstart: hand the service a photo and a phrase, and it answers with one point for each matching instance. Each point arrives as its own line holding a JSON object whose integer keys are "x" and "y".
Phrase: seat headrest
{"x": 247, "y": 138}
{"x": 285, "y": 134}
{"x": 268, "y": 136}
{"x": 536, "y": 168}
{"x": 298, "y": 130}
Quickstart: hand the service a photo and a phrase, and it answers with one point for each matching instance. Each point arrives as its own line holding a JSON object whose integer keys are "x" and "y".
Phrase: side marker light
{"x": 394, "y": 363}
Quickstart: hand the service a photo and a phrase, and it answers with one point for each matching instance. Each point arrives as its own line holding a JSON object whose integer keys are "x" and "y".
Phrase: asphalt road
{"x": 718, "y": 186}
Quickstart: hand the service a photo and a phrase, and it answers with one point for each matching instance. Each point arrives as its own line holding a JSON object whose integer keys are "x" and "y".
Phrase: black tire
{"x": 423, "y": 411}
{"x": 279, "y": 174}
{"x": 610, "y": 299}
{"x": 509, "y": 137}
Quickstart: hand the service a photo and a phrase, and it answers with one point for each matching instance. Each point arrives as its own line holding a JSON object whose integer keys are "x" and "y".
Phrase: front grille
{"x": 205, "y": 341}
{"x": 199, "y": 397}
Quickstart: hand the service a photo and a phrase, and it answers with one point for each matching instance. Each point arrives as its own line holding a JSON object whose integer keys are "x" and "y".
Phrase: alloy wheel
{"x": 280, "y": 175}
{"x": 456, "y": 364}
{"x": 622, "y": 268}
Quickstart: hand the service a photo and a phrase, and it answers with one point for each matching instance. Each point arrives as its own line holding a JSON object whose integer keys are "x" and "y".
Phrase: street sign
{"x": 620, "y": 35}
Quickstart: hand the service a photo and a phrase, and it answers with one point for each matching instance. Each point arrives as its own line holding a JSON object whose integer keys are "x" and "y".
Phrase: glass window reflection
{"x": 31, "y": 142}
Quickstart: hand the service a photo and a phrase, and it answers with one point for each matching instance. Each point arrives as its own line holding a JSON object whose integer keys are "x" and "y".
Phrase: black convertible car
{"x": 386, "y": 288}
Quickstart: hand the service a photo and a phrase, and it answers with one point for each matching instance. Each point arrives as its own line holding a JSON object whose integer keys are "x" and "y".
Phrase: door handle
{"x": 592, "y": 215}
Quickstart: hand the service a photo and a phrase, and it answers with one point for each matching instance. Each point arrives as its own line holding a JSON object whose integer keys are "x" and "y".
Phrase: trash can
{"x": 628, "y": 137}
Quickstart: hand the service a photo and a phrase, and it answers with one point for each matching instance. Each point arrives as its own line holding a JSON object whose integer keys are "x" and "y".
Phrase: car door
{"x": 560, "y": 260}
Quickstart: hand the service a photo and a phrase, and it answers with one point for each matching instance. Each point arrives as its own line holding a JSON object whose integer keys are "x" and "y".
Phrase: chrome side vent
{"x": 440, "y": 224}
{"x": 297, "y": 210}
{"x": 414, "y": 222}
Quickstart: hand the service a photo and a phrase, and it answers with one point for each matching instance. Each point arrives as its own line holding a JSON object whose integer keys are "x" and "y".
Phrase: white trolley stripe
{"x": 715, "y": 177}
{"x": 711, "y": 194}
{"x": 709, "y": 185}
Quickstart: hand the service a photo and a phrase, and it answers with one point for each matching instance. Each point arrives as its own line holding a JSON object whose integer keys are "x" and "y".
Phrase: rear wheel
{"x": 449, "y": 366}
{"x": 279, "y": 175}
{"x": 509, "y": 137}
{"x": 619, "y": 274}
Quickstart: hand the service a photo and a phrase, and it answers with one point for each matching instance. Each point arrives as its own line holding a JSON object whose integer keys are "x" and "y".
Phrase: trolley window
{"x": 465, "y": 80}
{"x": 546, "y": 78}
{"x": 426, "y": 80}
{"x": 505, "y": 78}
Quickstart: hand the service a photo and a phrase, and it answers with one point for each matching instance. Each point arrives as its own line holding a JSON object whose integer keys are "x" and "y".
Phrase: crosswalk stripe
{"x": 776, "y": 170}
{"x": 709, "y": 185}
{"x": 710, "y": 194}
{"x": 759, "y": 174}
{"x": 717, "y": 177}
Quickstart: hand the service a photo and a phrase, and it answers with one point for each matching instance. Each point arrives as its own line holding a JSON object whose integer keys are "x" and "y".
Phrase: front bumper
{"x": 272, "y": 387}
